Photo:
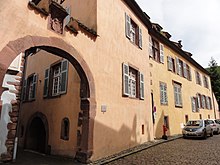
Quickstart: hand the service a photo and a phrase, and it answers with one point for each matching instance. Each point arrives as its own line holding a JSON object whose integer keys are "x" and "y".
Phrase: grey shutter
{"x": 46, "y": 82}
{"x": 169, "y": 61}
{"x": 64, "y": 76}
{"x": 125, "y": 79}
{"x": 161, "y": 53}
{"x": 177, "y": 66}
{"x": 140, "y": 37}
{"x": 67, "y": 19}
{"x": 165, "y": 94}
{"x": 208, "y": 102}
{"x": 180, "y": 96}
{"x": 161, "y": 94}
{"x": 141, "y": 86}
{"x": 193, "y": 104}
{"x": 198, "y": 100}
{"x": 184, "y": 70}
{"x": 190, "y": 74}
{"x": 150, "y": 47}
{"x": 24, "y": 90}
{"x": 34, "y": 86}
{"x": 127, "y": 25}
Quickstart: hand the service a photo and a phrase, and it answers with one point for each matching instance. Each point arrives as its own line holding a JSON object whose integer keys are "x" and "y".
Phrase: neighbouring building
{"x": 87, "y": 86}
{"x": 180, "y": 87}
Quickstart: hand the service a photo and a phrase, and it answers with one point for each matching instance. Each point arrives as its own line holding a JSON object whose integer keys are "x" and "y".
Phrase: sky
{"x": 195, "y": 22}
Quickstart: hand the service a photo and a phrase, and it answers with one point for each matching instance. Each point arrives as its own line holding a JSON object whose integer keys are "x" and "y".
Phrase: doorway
{"x": 36, "y": 136}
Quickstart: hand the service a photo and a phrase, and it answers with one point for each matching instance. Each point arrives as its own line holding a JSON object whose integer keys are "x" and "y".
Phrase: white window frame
{"x": 56, "y": 81}
{"x": 163, "y": 93}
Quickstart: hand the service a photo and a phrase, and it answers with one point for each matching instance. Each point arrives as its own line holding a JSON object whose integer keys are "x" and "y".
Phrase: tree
{"x": 215, "y": 78}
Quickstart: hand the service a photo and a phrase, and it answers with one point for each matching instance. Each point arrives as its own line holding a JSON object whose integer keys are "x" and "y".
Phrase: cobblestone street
{"x": 180, "y": 151}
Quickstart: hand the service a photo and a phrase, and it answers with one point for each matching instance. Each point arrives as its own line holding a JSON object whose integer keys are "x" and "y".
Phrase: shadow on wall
{"x": 158, "y": 131}
{"x": 110, "y": 141}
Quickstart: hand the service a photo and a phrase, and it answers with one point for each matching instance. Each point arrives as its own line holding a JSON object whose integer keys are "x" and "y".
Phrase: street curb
{"x": 134, "y": 150}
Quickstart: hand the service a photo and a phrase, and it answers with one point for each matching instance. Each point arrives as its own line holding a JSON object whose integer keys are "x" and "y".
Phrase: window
{"x": 203, "y": 101}
{"x": 29, "y": 88}
{"x": 132, "y": 31}
{"x": 198, "y": 78}
{"x": 179, "y": 67}
{"x": 186, "y": 118}
{"x": 133, "y": 82}
{"x": 200, "y": 116}
{"x": 163, "y": 93}
{"x": 55, "y": 80}
{"x": 194, "y": 102}
{"x": 177, "y": 94}
{"x": 188, "y": 73}
{"x": 205, "y": 82}
{"x": 156, "y": 50}
{"x": 65, "y": 129}
{"x": 171, "y": 64}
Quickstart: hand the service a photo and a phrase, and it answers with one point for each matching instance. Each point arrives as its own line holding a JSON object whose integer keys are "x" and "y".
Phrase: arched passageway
{"x": 87, "y": 87}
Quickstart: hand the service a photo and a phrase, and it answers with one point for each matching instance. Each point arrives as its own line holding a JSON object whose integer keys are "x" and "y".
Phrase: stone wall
{"x": 9, "y": 109}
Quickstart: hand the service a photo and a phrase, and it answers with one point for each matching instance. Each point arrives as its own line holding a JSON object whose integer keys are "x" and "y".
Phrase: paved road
{"x": 177, "y": 152}
{"x": 31, "y": 158}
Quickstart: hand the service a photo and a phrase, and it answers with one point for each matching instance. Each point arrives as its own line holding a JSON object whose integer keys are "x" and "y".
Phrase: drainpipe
{"x": 18, "y": 122}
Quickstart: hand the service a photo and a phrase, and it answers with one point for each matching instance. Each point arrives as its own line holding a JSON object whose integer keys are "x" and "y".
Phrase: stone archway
{"x": 87, "y": 88}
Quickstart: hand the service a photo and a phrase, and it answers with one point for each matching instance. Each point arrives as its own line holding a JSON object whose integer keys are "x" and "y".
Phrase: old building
{"x": 105, "y": 106}
{"x": 87, "y": 85}
{"x": 180, "y": 87}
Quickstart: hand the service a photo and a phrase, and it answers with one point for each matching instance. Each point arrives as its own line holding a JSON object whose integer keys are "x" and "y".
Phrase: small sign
{"x": 103, "y": 108}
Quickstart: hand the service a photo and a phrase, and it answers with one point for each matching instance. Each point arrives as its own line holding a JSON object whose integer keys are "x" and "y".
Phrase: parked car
{"x": 215, "y": 126}
{"x": 197, "y": 128}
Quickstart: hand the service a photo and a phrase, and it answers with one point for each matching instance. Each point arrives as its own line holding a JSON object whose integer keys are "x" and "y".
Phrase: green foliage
{"x": 214, "y": 71}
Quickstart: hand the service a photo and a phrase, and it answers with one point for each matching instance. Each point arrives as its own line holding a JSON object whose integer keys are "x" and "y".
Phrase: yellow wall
{"x": 189, "y": 89}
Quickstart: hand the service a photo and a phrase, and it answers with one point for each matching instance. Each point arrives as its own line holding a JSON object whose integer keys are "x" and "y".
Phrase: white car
{"x": 215, "y": 126}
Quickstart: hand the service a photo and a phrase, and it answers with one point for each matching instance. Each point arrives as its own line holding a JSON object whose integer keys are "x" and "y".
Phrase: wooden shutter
{"x": 161, "y": 53}
{"x": 64, "y": 76}
{"x": 67, "y": 19}
{"x": 141, "y": 86}
{"x": 140, "y": 37}
{"x": 46, "y": 82}
{"x": 34, "y": 86}
{"x": 150, "y": 47}
{"x": 127, "y": 25}
{"x": 24, "y": 90}
{"x": 125, "y": 79}
{"x": 161, "y": 93}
